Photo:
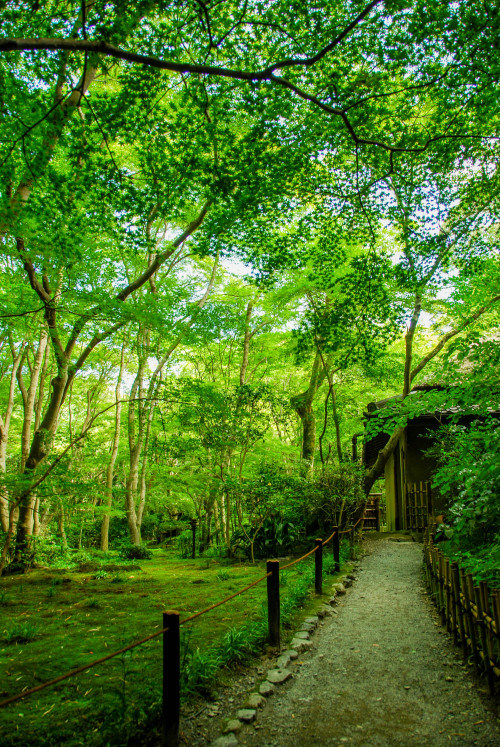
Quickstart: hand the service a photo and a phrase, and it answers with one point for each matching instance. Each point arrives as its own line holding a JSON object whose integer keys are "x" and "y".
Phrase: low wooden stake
{"x": 318, "y": 567}
{"x": 171, "y": 680}
{"x": 336, "y": 550}
{"x": 273, "y": 602}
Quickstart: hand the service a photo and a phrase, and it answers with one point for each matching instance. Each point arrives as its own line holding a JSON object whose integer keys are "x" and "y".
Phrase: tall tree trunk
{"x": 336, "y": 421}
{"x": 36, "y": 518}
{"x": 143, "y": 483}
{"x": 4, "y": 434}
{"x": 303, "y": 406}
{"x": 40, "y": 449}
{"x": 246, "y": 344}
{"x": 114, "y": 453}
{"x": 29, "y": 396}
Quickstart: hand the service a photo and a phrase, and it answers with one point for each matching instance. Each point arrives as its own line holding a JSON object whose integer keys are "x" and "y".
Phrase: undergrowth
{"x": 201, "y": 669}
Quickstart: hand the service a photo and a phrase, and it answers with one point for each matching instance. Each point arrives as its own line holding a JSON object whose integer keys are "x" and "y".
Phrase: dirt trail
{"x": 381, "y": 672}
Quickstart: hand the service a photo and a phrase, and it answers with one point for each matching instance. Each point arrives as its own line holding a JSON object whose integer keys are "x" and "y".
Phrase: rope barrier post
{"x": 336, "y": 550}
{"x": 273, "y": 602}
{"x": 171, "y": 680}
{"x": 318, "y": 567}
{"x": 351, "y": 543}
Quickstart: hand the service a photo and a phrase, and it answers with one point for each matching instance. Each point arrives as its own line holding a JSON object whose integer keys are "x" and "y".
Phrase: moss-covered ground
{"x": 52, "y": 621}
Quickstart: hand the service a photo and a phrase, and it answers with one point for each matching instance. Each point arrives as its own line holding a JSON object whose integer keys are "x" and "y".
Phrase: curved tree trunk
{"x": 303, "y": 406}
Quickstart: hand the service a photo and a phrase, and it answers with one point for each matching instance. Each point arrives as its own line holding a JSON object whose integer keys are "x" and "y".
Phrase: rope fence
{"x": 170, "y": 632}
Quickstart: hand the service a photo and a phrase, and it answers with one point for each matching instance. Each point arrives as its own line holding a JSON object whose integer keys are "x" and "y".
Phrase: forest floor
{"x": 382, "y": 671}
{"x": 54, "y": 620}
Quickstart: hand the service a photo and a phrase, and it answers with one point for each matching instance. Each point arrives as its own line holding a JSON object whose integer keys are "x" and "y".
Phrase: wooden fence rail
{"x": 470, "y": 612}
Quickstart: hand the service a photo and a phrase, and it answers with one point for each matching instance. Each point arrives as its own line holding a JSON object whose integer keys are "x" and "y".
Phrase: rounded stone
{"x": 266, "y": 689}
{"x": 228, "y": 740}
{"x": 247, "y": 715}
{"x": 255, "y": 701}
{"x": 283, "y": 661}
{"x": 278, "y": 676}
{"x": 299, "y": 644}
{"x": 311, "y": 621}
{"x": 232, "y": 725}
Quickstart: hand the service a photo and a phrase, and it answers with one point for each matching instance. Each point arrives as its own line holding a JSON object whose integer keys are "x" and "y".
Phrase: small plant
{"x": 54, "y": 583}
{"x": 222, "y": 575}
{"x": 184, "y": 544}
{"x": 215, "y": 551}
{"x": 21, "y": 633}
{"x": 199, "y": 671}
{"x": 89, "y": 602}
{"x": 101, "y": 574}
{"x": 135, "y": 552}
{"x": 236, "y": 647}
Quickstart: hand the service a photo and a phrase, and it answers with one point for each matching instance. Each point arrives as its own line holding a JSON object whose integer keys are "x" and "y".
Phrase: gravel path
{"x": 382, "y": 671}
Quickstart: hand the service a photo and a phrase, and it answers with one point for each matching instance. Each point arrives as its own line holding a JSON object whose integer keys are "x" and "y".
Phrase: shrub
{"x": 21, "y": 633}
{"x": 135, "y": 552}
{"x": 468, "y": 482}
{"x": 184, "y": 543}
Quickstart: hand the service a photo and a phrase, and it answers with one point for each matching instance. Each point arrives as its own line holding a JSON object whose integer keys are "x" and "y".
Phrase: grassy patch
{"x": 79, "y": 617}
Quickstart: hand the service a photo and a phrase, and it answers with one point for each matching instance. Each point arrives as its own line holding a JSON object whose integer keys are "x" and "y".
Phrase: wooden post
{"x": 377, "y": 514}
{"x": 336, "y": 549}
{"x": 483, "y": 652}
{"x": 318, "y": 567}
{"x": 193, "y": 529}
{"x": 447, "y": 585}
{"x": 487, "y": 620}
{"x": 171, "y": 680}
{"x": 273, "y": 602}
{"x": 474, "y": 630}
{"x": 458, "y": 623}
{"x": 351, "y": 543}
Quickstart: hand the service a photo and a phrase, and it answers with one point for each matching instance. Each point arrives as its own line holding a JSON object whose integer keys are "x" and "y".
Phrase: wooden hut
{"x": 409, "y": 470}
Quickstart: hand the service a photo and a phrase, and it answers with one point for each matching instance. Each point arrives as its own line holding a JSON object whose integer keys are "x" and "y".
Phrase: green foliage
{"x": 184, "y": 543}
{"x": 5, "y": 599}
{"x": 468, "y": 478}
{"x": 198, "y": 671}
{"x": 21, "y": 633}
{"x": 334, "y": 497}
{"x": 90, "y": 603}
{"x": 135, "y": 552}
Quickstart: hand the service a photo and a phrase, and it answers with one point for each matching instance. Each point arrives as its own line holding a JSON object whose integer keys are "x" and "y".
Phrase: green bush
{"x": 20, "y": 633}
{"x": 135, "y": 552}
{"x": 467, "y": 481}
{"x": 184, "y": 543}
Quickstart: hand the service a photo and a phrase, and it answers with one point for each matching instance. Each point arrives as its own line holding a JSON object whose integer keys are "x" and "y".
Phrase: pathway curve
{"x": 382, "y": 671}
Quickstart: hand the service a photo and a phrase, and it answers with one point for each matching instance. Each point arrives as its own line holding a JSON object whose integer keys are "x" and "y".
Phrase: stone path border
{"x": 381, "y": 671}
{"x": 280, "y": 673}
